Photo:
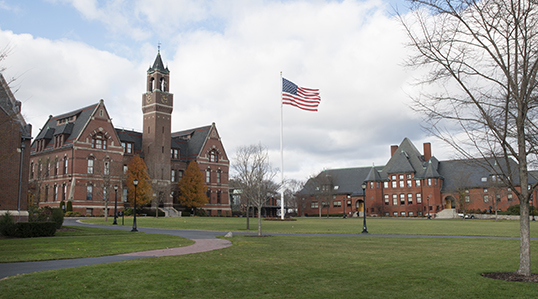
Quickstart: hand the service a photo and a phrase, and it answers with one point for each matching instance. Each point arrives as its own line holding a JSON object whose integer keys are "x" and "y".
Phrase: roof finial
{"x": 159, "y": 48}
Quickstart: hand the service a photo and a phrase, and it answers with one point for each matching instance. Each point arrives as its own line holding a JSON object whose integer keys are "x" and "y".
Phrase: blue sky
{"x": 225, "y": 59}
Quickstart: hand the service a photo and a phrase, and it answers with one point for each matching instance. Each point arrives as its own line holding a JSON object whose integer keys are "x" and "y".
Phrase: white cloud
{"x": 350, "y": 50}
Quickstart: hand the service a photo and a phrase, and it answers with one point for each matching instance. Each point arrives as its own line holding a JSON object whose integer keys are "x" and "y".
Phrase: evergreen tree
{"x": 192, "y": 187}
{"x": 137, "y": 170}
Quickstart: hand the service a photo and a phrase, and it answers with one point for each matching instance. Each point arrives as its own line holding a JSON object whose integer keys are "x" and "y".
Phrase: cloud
{"x": 225, "y": 59}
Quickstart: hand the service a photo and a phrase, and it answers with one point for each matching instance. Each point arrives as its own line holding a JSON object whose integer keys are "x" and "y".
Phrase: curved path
{"x": 204, "y": 241}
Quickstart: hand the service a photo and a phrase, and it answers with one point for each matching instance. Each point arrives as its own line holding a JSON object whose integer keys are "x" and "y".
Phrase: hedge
{"x": 29, "y": 229}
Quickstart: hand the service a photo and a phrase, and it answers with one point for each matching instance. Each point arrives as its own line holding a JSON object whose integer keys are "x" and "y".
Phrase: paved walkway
{"x": 204, "y": 241}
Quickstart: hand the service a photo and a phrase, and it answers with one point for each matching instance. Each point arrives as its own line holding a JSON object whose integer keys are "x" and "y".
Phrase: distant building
{"x": 410, "y": 184}
{"x": 80, "y": 156}
{"x": 15, "y": 136}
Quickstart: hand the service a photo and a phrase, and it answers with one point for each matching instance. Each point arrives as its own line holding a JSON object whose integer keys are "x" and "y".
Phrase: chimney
{"x": 427, "y": 151}
{"x": 393, "y": 149}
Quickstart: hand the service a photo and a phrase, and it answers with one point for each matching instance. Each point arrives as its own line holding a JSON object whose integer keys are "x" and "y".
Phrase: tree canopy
{"x": 136, "y": 169}
{"x": 192, "y": 187}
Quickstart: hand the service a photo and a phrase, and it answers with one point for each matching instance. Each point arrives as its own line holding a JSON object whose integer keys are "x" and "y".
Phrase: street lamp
{"x": 135, "y": 182}
{"x": 364, "y": 230}
{"x": 115, "y": 204}
{"x": 428, "y": 199}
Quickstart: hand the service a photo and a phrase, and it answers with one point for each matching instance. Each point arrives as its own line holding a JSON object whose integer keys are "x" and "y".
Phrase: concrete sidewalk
{"x": 204, "y": 241}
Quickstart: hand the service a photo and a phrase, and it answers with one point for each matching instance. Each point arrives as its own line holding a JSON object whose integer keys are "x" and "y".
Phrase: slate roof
{"x": 71, "y": 129}
{"x": 189, "y": 142}
{"x": 348, "y": 180}
{"x": 406, "y": 159}
{"x": 158, "y": 65}
{"x": 10, "y": 106}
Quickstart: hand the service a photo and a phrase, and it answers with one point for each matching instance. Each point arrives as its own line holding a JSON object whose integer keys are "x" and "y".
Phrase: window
{"x": 124, "y": 194}
{"x": 66, "y": 164}
{"x": 179, "y": 175}
{"x": 409, "y": 199}
{"x": 99, "y": 141}
{"x": 314, "y": 205}
{"x": 125, "y": 169}
{"x": 218, "y": 177}
{"x": 218, "y": 196}
{"x": 485, "y": 190}
{"x": 402, "y": 199}
{"x": 486, "y": 198}
{"x": 386, "y": 199}
{"x": 467, "y": 198}
{"x": 402, "y": 214}
{"x": 56, "y": 167}
{"x": 106, "y": 168}
{"x": 401, "y": 176}
{"x": 173, "y": 176}
{"x": 213, "y": 156}
{"x": 419, "y": 198}
{"x": 409, "y": 184}
{"x": 417, "y": 183}
{"x": 395, "y": 214}
{"x": 394, "y": 199}
{"x": 174, "y": 153}
{"x": 401, "y": 184}
{"x": 429, "y": 182}
{"x": 393, "y": 177}
{"x": 89, "y": 192}
{"x": 349, "y": 203}
{"x": 90, "y": 165}
{"x": 371, "y": 185}
{"x": 510, "y": 197}
{"x": 208, "y": 176}
{"x": 410, "y": 214}
{"x": 46, "y": 193}
{"x": 32, "y": 170}
{"x": 55, "y": 193}
{"x": 337, "y": 203}
{"x": 498, "y": 198}
{"x": 393, "y": 184}
{"x": 385, "y": 185}
{"x": 64, "y": 191}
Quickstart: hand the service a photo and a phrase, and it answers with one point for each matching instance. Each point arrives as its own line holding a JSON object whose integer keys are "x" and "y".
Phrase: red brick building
{"x": 15, "y": 136}
{"x": 411, "y": 184}
{"x": 80, "y": 156}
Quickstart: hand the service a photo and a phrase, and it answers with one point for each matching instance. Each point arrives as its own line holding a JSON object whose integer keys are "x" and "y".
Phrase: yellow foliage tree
{"x": 137, "y": 170}
{"x": 192, "y": 187}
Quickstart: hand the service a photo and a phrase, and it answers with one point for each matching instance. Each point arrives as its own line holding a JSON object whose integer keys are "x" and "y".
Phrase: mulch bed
{"x": 512, "y": 276}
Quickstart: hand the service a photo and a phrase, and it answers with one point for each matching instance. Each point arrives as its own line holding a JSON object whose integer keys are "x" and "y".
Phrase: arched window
{"x": 213, "y": 157}
{"x": 161, "y": 84}
{"x": 89, "y": 192}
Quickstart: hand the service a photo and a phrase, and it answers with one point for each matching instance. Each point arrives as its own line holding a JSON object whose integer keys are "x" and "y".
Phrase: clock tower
{"x": 157, "y": 106}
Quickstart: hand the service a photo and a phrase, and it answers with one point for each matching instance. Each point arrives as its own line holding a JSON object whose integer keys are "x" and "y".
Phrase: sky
{"x": 225, "y": 59}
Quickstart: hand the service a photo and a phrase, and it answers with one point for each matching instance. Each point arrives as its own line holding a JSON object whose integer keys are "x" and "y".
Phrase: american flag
{"x": 300, "y": 97}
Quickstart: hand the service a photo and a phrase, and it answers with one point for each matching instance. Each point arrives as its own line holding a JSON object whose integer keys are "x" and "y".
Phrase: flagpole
{"x": 282, "y": 212}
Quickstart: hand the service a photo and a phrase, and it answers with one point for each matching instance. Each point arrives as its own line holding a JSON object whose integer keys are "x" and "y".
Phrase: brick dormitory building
{"x": 410, "y": 184}
{"x": 79, "y": 156}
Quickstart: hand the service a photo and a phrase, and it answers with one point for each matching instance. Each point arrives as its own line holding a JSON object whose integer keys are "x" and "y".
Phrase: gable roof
{"x": 191, "y": 141}
{"x": 11, "y": 107}
{"x": 344, "y": 180}
{"x": 75, "y": 122}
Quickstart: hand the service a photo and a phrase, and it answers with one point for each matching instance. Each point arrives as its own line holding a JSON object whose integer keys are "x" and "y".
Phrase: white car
{"x": 466, "y": 216}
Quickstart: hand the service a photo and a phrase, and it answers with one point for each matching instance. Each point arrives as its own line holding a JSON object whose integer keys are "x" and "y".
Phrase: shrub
{"x": 57, "y": 217}
{"x": 128, "y": 212}
{"x": 200, "y": 212}
{"x": 513, "y": 210}
{"x": 69, "y": 207}
{"x": 37, "y": 214}
{"x": 35, "y": 229}
{"x": 62, "y": 205}
{"x": 7, "y": 225}
{"x": 69, "y": 214}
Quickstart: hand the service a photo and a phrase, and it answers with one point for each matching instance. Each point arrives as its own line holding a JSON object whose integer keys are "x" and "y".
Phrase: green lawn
{"x": 84, "y": 242}
{"x": 297, "y": 267}
{"x": 339, "y": 225}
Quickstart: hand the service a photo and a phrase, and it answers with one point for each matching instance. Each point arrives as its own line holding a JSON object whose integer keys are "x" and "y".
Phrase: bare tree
{"x": 482, "y": 61}
{"x": 254, "y": 176}
{"x": 291, "y": 200}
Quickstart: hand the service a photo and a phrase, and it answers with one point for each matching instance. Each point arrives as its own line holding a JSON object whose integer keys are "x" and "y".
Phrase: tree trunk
{"x": 248, "y": 214}
{"x": 259, "y": 221}
{"x": 106, "y": 211}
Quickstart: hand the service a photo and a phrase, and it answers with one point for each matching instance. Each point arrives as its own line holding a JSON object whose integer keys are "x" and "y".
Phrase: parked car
{"x": 466, "y": 216}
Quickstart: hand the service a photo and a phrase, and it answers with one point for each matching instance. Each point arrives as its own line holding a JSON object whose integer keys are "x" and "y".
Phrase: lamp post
{"x": 115, "y": 205}
{"x": 364, "y": 230}
{"x": 135, "y": 183}
{"x": 428, "y": 199}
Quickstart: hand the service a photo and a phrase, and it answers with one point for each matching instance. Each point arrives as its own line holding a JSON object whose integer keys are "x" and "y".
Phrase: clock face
{"x": 148, "y": 98}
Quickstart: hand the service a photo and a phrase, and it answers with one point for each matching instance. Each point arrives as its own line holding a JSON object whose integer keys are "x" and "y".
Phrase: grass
{"x": 339, "y": 225}
{"x": 80, "y": 242}
{"x": 297, "y": 267}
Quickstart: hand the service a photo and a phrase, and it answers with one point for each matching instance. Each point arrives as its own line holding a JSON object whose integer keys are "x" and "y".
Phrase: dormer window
{"x": 127, "y": 147}
{"x": 174, "y": 153}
